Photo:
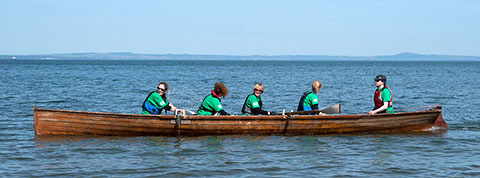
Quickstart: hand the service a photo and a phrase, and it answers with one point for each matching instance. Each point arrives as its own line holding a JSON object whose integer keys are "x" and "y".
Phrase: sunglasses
{"x": 257, "y": 90}
{"x": 161, "y": 89}
{"x": 377, "y": 80}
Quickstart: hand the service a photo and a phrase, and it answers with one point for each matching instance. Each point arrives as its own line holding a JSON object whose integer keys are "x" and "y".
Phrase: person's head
{"x": 220, "y": 89}
{"x": 162, "y": 88}
{"x": 380, "y": 80}
{"x": 316, "y": 86}
{"x": 258, "y": 89}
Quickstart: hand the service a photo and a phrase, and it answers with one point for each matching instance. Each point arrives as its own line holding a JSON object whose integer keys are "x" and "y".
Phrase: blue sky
{"x": 276, "y": 27}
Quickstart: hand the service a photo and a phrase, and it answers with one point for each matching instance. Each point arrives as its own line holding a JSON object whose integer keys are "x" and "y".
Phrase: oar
{"x": 332, "y": 109}
{"x": 190, "y": 112}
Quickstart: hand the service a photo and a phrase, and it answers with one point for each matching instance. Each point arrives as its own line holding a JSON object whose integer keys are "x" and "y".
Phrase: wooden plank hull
{"x": 61, "y": 122}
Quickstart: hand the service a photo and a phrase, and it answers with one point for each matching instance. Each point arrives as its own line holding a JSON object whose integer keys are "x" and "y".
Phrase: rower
{"x": 309, "y": 99}
{"x": 253, "y": 103}
{"x": 383, "y": 96}
{"x": 212, "y": 103}
{"x": 156, "y": 101}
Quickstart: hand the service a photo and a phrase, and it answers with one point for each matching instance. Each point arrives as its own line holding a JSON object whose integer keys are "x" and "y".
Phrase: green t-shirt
{"x": 209, "y": 104}
{"x": 386, "y": 96}
{"x": 251, "y": 103}
{"x": 310, "y": 100}
{"x": 156, "y": 100}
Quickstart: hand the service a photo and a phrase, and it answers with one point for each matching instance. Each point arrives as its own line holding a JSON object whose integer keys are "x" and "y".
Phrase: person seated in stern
{"x": 253, "y": 103}
{"x": 156, "y": 101}
{"x": 309, "y": 99}
{"x": 382, "y": 98}
{"x": 212, "y": 103}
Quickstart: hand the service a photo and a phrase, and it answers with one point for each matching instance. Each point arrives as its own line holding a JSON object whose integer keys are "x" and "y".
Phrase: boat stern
{"x": 440, "y": 122}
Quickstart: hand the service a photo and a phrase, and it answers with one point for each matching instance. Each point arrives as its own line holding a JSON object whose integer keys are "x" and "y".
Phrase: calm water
{"x": 121, "y": 86}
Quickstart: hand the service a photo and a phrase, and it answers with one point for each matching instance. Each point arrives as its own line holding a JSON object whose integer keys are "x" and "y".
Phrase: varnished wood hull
{"x": 61, "y": 122}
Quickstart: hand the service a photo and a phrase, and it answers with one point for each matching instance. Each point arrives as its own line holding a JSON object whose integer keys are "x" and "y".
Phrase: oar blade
{"x": 332, "y": 109}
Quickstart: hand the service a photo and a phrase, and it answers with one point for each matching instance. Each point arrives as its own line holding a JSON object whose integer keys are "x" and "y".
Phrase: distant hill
{"x": 430, "y": 57}
{"x": 407, "y": 56}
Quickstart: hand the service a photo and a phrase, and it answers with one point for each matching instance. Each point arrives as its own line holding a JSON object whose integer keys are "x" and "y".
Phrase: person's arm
{"x": 222, "y": 112}
{"x": 158, "y": 101}
{"x": 257, "y": 111}
{"x": 217, "y": 106}
{"x": 171, "y": 107}
{"x": 383, "y": 108}
{"x": 386, "y": 95}
{"x": 168, "y": 108}
{"x": 314, "y": 101}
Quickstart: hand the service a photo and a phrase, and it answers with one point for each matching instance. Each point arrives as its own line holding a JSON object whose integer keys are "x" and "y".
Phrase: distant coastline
{"x": 406, "y": 56}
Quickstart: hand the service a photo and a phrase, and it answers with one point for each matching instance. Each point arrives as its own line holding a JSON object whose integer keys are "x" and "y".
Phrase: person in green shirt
{"x": 253, "y": 103}
{"x": 156, "y": 101}
{"x": 309, "y": 99}
{"x": 212, "y": 103}
{"x": 383, "y": 96}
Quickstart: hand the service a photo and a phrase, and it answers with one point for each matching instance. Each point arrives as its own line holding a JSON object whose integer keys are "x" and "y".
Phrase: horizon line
{"x": 126, "y": 52}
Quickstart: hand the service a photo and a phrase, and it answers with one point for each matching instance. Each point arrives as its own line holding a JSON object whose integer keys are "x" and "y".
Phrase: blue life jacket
{"x": 152, "y": 109}
{"x": 301, "y": 105}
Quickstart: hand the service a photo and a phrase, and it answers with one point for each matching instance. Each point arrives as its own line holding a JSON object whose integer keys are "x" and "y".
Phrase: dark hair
{"x": 163, "y": 83}
{"x": 220, "y": 88}
{"x": 166, "y": 88}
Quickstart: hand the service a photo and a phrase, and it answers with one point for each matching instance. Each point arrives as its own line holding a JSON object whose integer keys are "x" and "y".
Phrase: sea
{"x": 120, "y": 86}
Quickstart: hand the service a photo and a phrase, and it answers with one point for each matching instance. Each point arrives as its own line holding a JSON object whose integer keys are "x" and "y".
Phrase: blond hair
{"x": 316, "y": 86}
{"x": 259, "y": 86}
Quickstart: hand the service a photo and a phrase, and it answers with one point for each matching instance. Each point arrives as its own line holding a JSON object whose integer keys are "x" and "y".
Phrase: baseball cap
{"x": 381, "y": 77}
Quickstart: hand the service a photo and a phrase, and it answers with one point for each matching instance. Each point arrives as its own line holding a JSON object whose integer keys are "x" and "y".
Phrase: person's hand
{"x": 371, "y": 113}
{"x": 178, "y": 111}
{"x": 272, "y": 113}
{"x": 321, "y": 113}
{"x": 173, "y": 108}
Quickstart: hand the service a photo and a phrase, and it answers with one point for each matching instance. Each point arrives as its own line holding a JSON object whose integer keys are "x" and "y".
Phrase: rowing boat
{"x": 64, "y": 122}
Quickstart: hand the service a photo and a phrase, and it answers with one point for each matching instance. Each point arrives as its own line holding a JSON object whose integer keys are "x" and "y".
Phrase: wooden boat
{"x": 62, "y": 122}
